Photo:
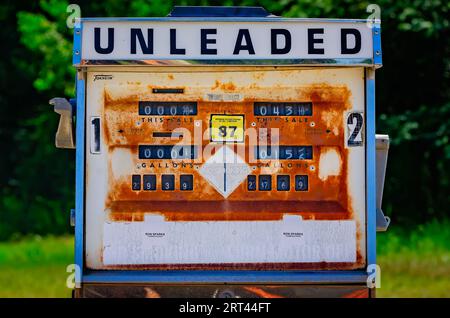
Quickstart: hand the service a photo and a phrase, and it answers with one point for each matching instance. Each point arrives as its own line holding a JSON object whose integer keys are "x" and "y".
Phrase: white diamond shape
{"x": 225, "y": 171}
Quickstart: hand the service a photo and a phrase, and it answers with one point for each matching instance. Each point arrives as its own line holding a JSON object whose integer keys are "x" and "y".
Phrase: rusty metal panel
{"x": 222, "y": 291}
{"x": 133, "y": 223}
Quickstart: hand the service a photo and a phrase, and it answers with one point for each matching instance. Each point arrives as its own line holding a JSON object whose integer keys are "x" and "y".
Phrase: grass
{"x": 413, "y": 264}
{"x": 35, "y": 267}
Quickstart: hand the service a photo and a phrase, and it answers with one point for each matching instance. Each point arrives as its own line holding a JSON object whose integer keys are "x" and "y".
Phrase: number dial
{"x": 301, "y": 183}
{"x": 149, "y": 182}
{"x": 186, "y": 182}
{"x": 168, "y": 182}
{"x": 265, "y": 182}
{"x": 251, "y": 183}
{"x": 283, "y": 183}
{"x": 136, "y": 182}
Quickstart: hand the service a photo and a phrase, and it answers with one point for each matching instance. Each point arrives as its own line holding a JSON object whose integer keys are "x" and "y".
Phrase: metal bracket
{"x": 65, "y": 134}
{"x": 382, "y": 221}
{"x": 382, "y": 149}
{"x": 72, "y": 217}
{"x": 195, "y": 11}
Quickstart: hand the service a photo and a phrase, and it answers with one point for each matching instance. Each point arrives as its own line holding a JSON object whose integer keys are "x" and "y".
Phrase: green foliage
{"x": 37, "y": 180}
{"x": 424, "y": 240}
{"x": 415, "y": 262}
{"x": 50, "y": 39}
{"x": 35, "y": 267}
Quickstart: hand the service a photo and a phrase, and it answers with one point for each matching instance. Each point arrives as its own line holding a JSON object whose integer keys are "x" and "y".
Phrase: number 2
{"x": 354, "y": 124}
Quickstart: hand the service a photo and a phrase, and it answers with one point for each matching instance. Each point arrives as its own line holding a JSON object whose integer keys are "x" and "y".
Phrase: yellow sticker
{"x": 227, "y": 128}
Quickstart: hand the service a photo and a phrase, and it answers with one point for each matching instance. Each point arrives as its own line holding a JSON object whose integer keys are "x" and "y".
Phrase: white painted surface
{"x": 155, "y": 241}
{"x": 330, "y": 163}
{"x": 188, "y": 38}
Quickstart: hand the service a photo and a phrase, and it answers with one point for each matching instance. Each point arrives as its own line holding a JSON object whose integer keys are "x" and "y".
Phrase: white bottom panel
{"x": 292, "y": 240}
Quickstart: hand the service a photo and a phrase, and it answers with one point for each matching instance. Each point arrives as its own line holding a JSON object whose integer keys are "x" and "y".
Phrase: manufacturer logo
{"x": 102, "y": 77}
{"x": 155, "y": 234}
{"x": 293, "y": 234}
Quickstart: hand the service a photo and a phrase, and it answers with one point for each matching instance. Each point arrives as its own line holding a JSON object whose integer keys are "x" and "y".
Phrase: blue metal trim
{"x": 263, "y": 277}
{"x": 218, "y": 11}
{"x": 77, "y": 33}
{"x": 79, "y": 181}
{"x": 243, "y": 62}
{"x": 219, "y": 19}
{"x": 377, "y": 52}
{"x": 371, "y": 183}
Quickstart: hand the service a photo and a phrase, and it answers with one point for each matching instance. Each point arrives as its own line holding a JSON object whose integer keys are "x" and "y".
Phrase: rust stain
{"x": 226, "y": 210}
{"x": 151, "y": 293}
{"x": 362, "y": 293}
{"x": 241, "y": 266}
{"x": 259, "y": 75}
{"x": 216, "y": 84}
{"x": 217, "y": 290}
{"x": 261, "y": 292}
{"x": 228, "y": 86}
{"x": 327, "y": 199}
{"x": 122, "y": 131}
{"x": 124, "y": 101}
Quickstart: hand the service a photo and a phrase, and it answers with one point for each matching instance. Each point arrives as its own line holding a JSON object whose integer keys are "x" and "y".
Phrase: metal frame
{"x": 371, "y": 183}
{"x": 77, "y": 32}
{"x": 259, "y": 62}
{"x": 223, "y": 19}
{"x": 376, "y": 40}
{"x": 291, "y": 277}
{"x": 79, "y": 178}
{"x": 198, "y": 277}
{"x": 80, "y": 158}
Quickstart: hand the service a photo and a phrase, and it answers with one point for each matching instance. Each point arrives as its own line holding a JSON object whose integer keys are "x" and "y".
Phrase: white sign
{"x": 225, "y": 171}
{"x": 146, "y": 40}
{"x": 291, "y": 240}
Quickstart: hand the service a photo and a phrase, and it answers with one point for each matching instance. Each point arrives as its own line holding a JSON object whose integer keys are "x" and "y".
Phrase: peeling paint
{"x": 330, "y": 163}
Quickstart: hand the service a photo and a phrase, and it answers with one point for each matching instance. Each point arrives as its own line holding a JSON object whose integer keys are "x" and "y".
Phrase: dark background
{"x": 37, "y": 180}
